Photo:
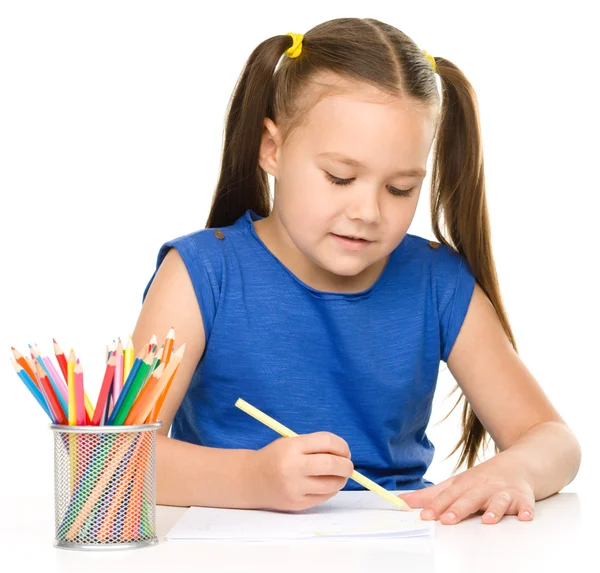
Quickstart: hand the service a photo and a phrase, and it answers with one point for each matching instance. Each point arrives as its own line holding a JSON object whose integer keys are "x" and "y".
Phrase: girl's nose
{"x": 364, "y": 206}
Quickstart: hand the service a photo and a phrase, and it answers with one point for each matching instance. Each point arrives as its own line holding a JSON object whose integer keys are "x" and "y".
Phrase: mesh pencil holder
{"x": 105, "y": 486}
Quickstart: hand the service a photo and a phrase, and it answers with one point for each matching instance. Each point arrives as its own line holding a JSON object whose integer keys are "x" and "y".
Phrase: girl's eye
{"x": 337, "y": 181}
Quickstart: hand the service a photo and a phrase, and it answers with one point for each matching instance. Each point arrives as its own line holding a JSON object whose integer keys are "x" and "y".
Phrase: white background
{"x": 111, "y": 121}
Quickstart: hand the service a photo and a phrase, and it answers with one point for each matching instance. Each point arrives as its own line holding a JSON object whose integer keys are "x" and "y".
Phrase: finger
{"x": 323, "y": 442}
{"x": 423, "y": 497}
{"x": 469, "y": 502}
{"x": 442, "y": 502}
{"x": 328, "y": 465}
{"x": 324, "y": 485}
{"x": 525, "y": 509}
{"x": 497, "y": 507}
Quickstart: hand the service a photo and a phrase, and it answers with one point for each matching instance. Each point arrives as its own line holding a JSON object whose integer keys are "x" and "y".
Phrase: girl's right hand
{"x": 297, "y": 473}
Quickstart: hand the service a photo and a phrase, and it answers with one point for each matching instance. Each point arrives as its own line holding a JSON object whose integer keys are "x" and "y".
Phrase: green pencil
{"x": 139, "y": 380}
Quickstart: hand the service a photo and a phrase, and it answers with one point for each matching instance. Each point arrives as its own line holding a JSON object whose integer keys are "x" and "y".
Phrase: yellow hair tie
{"x": 431, "y": 60}
{"x": 296, "y": 48}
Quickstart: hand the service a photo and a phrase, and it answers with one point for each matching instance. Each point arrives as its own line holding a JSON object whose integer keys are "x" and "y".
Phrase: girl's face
{"x": 354, "y": 168}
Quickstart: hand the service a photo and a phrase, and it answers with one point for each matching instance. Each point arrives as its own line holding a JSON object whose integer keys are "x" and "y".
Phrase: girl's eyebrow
{"x": 340, "y": 158}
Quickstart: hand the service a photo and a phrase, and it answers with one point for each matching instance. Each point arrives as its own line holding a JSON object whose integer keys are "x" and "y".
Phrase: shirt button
{"x": 219, "y": 234}
{"x": 434, "y": 245}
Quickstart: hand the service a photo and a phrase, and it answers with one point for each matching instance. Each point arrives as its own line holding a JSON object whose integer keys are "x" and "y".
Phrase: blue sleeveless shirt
{"x": 361, "y": 365}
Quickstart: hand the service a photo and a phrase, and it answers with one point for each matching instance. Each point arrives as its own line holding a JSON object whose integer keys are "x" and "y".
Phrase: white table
{"x": 557, "y": 539}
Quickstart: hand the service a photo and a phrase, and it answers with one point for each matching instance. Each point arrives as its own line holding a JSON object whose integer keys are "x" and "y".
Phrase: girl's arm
{"x": 186, "y": 474}
{"x": 539, "y": 453}
{"x": 289, "y": 473}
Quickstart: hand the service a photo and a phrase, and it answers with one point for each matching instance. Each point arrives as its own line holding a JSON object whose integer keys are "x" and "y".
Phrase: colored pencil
{"x": 20, "y": 360}
{"x": 55, "y": 406}
{"x": 157, "y": 359}
{"x": 120, "y": 493}
{"x": 60, "y": 382}
{"x": 154, "y": 389}
{"x": 31, "y": 386}
{"x": 153, "y": 342}
{"x": 128, "y": 358}
{"x": 132, "y": 392}
{"x": 31, "y": 363}
{"x": 146, "y": 398}
{"x": 87, "y": 404}
{"x": 61, "y": 359}
{"x": 287, "y": 433}
{"x": 155, "y": 412}
{"x": 79, "y": 395}
{"x": 118, "y": 381}
{"x": 169, "y": 341}
{"x": 104, "y": 391}
{"x": 71, "y": 406}
{"x": 136, "y": 500}
{"x": 43, "y": 361}
{"x": 130, "y": 378}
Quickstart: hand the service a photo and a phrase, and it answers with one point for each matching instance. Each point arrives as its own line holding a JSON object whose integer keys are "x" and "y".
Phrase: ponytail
{"x": 242, "y": 182}
{"x": 458, "y": 193}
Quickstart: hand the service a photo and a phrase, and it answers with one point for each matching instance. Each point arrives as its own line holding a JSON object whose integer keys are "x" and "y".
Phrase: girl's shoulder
{"x": 449, "y": 279}
{"x": 443, "y": 260}
{"x": 204, "y": 250}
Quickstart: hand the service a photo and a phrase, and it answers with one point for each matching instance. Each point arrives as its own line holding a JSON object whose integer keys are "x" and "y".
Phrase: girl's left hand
{"x": 494, "y": 486}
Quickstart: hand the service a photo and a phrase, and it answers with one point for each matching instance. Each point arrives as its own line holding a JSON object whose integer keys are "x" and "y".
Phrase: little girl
{"x": 321, "y": 310}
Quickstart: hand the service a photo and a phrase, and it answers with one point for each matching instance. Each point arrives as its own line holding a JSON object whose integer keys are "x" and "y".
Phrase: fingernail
{"x": 427, "y": 514}
{"x": 527, "y": 513}
{"x": 490, "y": 515}
{"x": 449, "y": 516}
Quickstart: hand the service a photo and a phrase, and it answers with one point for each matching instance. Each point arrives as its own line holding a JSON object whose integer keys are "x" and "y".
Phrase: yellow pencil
{"x": 128, "y": 358}
{"x": 71, "y": 405}
{"x": 287, "y": 433}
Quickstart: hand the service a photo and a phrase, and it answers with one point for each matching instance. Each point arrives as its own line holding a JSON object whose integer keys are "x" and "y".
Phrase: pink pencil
{"x": 79, "y": 400}
{"x": 118, "y": 379}
{"x": 62, "y": 387}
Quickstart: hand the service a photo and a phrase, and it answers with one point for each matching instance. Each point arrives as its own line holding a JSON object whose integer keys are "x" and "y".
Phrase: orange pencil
{"x": 20, "y": 360}
{"x": 140, "y": 458}
{"x": 153, "y": 388}
{"x": 155, "y": 412}
{"x": 145, "y": 399}
{"x": 118, "y": 497}
{"x": 169, "y": 341}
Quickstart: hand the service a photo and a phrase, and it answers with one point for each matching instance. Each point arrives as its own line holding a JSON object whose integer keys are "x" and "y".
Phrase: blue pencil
{"x": 123, "y": 394}
{"x": 32, "y": 388}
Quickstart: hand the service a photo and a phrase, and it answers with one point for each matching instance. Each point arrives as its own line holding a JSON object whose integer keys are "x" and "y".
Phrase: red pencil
{"x": 153, "y": 342}
{"x": 61, "y": 359}
{"x": 104, "y": 390}
{"x": 50, "y": 395}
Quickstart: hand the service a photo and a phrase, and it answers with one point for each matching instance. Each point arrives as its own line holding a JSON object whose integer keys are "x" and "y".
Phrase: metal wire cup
{"x": 105, "y": 486}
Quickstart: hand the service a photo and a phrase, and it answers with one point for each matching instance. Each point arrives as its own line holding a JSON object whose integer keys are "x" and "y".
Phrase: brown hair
{"x": 370, "y": 51}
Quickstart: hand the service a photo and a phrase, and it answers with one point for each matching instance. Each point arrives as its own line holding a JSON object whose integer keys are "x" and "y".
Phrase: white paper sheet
{"x": 350, "y": 514}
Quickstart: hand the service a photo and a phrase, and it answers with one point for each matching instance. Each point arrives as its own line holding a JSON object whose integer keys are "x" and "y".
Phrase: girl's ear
{"x": 270, "y": 146}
